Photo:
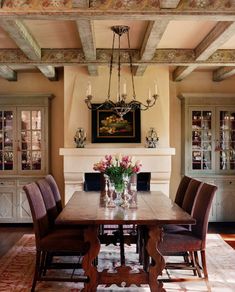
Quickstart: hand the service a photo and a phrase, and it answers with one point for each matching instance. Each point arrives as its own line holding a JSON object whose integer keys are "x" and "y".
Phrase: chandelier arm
{"x": 131, "y": 66}
{"x": 119, "y": 68}
{"x": 111, "y": 67}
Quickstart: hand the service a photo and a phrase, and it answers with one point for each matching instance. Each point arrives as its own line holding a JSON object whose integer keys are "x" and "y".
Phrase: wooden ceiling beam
{"x": 26, "y": 42}
{"x": 222, "y": 32}
{"x": 22, "y": 37}
{"x": 223, "y": 73}
{"x": 49, "y": 72}
{"x": 7, "y": 73}
{"x": 153, "y": 35}
{"x": 109, "y": 9}
{"x": 61, "y": 57}
{"x": 87, "y": 36}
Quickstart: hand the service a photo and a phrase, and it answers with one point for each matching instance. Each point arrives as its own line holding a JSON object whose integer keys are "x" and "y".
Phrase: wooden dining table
{"x": 154, "y": 209}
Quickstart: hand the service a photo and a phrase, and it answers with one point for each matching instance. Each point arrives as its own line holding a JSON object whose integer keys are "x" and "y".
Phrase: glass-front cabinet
{"x": 208, "y": 147}
{"x": 23, "y": 151}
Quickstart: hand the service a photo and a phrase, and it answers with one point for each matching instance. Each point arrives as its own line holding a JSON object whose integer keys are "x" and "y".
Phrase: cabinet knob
{"x": 230, "y": 182}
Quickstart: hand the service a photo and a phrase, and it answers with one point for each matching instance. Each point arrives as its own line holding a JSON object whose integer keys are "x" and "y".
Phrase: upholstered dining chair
{"x": 181, "y": 190}
{"x": 193, "y": 240}
{"x": 50, "y": 240}
{"x": 55, "y": 190}
{"x": 188, "y": 204}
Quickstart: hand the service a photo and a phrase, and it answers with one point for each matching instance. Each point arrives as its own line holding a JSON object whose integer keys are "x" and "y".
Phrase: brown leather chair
{"x": 50, "y": 240}
{"x": 181, "y": 191}
{"x": 193, "y": 240}
{"x": 188, "y": 204}
{"x": 55, "y": 190}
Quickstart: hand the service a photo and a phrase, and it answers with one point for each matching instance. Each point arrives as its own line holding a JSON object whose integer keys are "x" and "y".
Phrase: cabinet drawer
{"x": 7, "y": 183}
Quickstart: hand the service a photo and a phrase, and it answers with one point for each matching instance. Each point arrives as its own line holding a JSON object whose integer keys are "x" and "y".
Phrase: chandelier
{"x": 121, "y": 106}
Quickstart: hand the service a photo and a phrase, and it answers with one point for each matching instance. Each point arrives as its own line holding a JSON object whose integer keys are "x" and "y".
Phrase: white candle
{"x": 155, "y": 87}
{"x": 150, "y": 96}
{"x": 124, "y": 88}
{"x": 89, "y": 88}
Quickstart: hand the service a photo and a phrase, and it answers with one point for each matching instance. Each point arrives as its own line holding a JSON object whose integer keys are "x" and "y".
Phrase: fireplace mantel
{"x": 78, "y": 161}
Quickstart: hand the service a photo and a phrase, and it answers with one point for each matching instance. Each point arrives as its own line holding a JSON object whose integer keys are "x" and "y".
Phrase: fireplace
{"x": 79, "y": 161}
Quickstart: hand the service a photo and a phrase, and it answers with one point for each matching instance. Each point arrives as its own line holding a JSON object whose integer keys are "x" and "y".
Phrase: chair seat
{"x": 64, "y": 240}
{"x": 180, "y": 242}
{"x": 174, "y": 228}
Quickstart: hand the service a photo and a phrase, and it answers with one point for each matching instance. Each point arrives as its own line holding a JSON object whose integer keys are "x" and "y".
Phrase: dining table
{"x": 151, "y": 212}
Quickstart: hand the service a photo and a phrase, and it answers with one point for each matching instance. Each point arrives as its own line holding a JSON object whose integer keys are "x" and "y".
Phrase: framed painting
{"x": 108, "y": 127}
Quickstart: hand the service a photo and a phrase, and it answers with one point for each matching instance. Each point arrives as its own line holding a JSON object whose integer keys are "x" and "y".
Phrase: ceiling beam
{"x": 223, "y": 73}
{"x": 7, "y": 73}
{"x": 26, "y": 42}
{"x": 22, "y": 37}
{"x": 49, "y": 71}
{"x": 87, "y": 36}
{"x": 216, "y": 10}
{"x": 176, "y": 57}
{"x": 169, "y": 3}
{"x": 153, "y": 35}
{"x": 222, "y": 32}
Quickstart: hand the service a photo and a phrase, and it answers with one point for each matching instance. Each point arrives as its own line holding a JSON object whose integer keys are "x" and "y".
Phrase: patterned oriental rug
{"x": 17, "y": 268}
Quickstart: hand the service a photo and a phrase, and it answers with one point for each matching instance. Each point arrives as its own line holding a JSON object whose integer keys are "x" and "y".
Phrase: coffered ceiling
{"x": 184, "y": 35}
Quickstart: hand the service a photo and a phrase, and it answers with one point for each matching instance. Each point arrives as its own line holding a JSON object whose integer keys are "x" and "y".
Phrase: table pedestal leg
{"x": 91, "y": 236}
{"x": 158, "y": 263}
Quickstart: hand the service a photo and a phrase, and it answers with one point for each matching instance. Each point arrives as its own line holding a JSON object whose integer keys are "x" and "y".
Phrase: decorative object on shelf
{"x": 80, "y": 138}
{"x": 151, "y": 138}
{"x": 108, "y": 127}
{"x": 121, "y": 107}
{"x": 118, "y": 169}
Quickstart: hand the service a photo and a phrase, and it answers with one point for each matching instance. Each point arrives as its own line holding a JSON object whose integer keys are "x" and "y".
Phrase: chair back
{"x": 55, "y": 190}
{"x": 191, "y": 194}
{"x": 181, "y": 191}
{"x": 202, "y": 210}
{"x": 38, "y": 210}
{"x": 49, "y": 200}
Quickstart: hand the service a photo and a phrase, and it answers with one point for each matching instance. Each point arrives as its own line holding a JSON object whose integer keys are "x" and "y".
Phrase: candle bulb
{"x": 124, "y": 88}
{"x": 150, "y": 96}
{"x": 89, "y": 88}
{"x": 155, "y": 88}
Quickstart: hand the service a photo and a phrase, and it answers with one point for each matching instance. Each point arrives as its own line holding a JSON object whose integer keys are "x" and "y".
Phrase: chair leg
{"x": 192, "y": 259}
{"x": 203, "y": 257}
{"x": 197, "y": 264}
{"x": 37, "y": 270}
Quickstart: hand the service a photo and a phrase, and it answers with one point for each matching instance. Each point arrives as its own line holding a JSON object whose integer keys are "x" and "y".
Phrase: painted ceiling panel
{"x": 104, "y": 34}
{"x": 185, "y": 34}
{"x": 54, "y": 34}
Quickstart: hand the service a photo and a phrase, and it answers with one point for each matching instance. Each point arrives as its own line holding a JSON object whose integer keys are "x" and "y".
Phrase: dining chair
{"x": 193, "y": 240}
{"x": 188, "y": 204}
{"x": 181, "y": 190}
{"x": 51, "y": 240}
{"x": 49, "y": 200}
{"x": 55, "y": 190}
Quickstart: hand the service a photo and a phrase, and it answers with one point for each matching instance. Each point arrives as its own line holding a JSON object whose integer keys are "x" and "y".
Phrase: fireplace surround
{"x": 78, "y": 161}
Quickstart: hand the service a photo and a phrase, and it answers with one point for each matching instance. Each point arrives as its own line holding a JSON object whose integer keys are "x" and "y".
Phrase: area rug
{"x": 17, "y": 268}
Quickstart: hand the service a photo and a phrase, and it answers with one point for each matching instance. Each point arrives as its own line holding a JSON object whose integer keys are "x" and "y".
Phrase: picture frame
{"x": 107, "y": 126}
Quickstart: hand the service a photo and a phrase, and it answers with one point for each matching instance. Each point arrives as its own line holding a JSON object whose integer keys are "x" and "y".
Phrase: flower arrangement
{"x": 118, "y": 166}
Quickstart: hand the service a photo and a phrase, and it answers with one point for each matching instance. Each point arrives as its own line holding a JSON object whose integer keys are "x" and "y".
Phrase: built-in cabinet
{"x": 24, "y": 146}
{"x": 208, "y": 147}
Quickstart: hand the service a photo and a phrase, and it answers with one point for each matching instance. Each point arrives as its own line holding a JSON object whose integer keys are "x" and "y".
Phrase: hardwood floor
{"x": 10, "y": 234}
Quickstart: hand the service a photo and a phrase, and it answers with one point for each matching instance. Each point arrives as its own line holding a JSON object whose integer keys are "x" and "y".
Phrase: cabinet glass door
{"x": 201, "y": 135}
{"x": 226, "y": 143}
{"x": 30, "y": 140}
{"x": 6, "y": 140}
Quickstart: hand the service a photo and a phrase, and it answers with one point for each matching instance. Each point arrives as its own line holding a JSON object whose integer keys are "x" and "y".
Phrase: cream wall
{"x": 37, "y": 83}
{"x": 77, "y": 115}
{"x": 197, "y": 82}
